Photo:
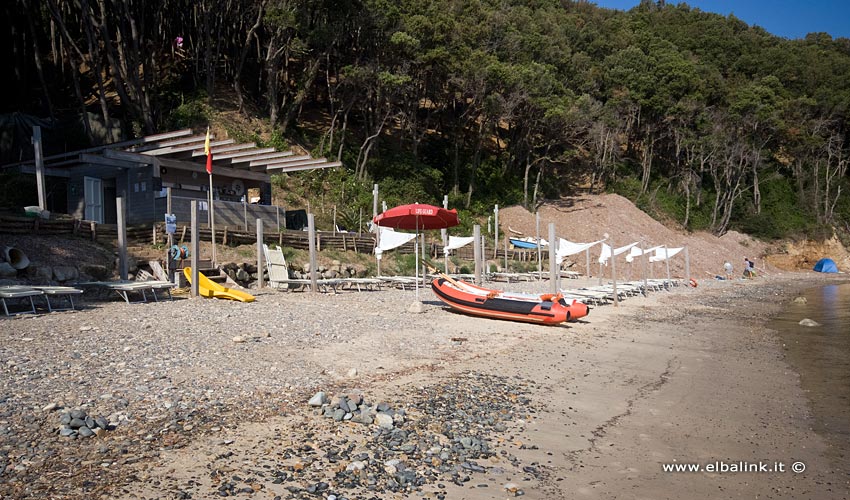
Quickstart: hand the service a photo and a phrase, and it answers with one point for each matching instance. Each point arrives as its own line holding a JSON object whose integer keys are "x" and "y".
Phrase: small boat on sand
{"x": 547, "y": 309}
{"x": 527, "y": 243}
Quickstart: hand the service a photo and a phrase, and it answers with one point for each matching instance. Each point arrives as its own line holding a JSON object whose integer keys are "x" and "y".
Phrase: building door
{"x": 93, "y": 193}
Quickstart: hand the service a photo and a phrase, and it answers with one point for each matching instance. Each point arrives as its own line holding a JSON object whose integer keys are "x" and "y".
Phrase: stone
{"x": 7, "y": 271}
{"x": 809, "y": 322}
{"x": 78, "y": 414}
{"x": 318, "y": 399}
{"x": 76, "y": 423}
{"x": 101, "y": 422}
{"x": 416, "y": 307}
{"x": 338, "y": 415}
{"x": 239, "y": 339}
{"x": 96, "y": 271}
{"x": 800, "y": 300}
{"x": 50, "y": 407}
{"x": 352, "y": 373}
{"x": 85, "y": 432}
{"x": 40, "y": 272}
{"x": 355, "y": 466}
{"x": 67, "y": 432}
{"x": 65, "y": 273}
{"x": 384, "y": 420}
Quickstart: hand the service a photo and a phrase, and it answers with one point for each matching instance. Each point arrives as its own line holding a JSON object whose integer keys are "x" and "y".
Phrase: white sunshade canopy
{"x": 567, "y": 248}
{"x": 637, "y": 252}
{"x": 456, "y": 242}
{"x": 390, "y": 239}
{"x": 606, "y": 251}
{"x": 663, "y": 253}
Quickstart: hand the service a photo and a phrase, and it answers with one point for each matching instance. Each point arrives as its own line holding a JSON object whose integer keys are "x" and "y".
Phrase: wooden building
{"x": 140, "y": 170}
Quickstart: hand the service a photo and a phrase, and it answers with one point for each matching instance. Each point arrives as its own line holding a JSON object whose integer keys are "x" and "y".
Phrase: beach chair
{"x": 59, "y": 291}
{"x": 279, "y": 274}
{"x": 18, "y": 292}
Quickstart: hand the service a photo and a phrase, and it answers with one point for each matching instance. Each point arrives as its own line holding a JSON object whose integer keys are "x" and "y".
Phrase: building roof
{"x": 184, "y": 150}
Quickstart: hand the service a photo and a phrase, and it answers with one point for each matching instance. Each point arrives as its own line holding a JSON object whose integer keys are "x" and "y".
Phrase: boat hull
{"x": 494, "y": 305}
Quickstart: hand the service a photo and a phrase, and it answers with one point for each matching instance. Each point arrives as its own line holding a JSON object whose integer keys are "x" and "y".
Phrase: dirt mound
{"x": 804, "y": 254}
{"x": 587, "y": 218}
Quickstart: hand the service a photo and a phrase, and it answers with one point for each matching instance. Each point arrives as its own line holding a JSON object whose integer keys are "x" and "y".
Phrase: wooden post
{"x": 39, "y": 167}
{"x": 476, "y": 234}
{"x": 587, "y": 254}
{"x": 168, "y": 208}
{"x": 554, "y": 272}
{"x": 667, "y": 262}
{"x": 196, "y": 246}
{"x": 614, "y": 275}
{"x": 687, "y": 266}
{"x": 374, "y": 201}
{"x": 311, "y": 231}
{"x": 445, "y": 232}
{"x": 645, "y": 258}
{"x": 496, "y": 233}
{"x": 122, "y": 238}
{"x": 539, "y": 250}
{"x": 601, "y": 249}
{"x": 506, "y": 253}
{"x": 259, "y": 253}
{"x": 245, "y": 214}
{"x": 277, "y": 212}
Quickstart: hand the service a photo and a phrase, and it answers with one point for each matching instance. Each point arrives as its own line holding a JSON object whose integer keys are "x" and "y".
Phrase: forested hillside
{"x": 697, "y": 117}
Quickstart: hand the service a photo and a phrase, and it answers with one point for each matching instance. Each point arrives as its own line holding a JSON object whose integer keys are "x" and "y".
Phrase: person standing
{"x": 749, "y": 268}
{"x": 727, "y": 266}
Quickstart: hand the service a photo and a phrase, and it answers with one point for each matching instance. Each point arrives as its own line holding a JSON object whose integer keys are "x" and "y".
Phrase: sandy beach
{"x": 208, "y": 398}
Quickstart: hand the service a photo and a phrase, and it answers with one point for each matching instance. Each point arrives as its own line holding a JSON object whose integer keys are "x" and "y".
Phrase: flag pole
{"x": 212, "y": 223}
{"x": 208, "y": 152}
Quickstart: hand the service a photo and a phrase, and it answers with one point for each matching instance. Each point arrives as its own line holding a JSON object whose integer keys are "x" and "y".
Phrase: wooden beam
{"x": 127, "y": 156}
{"x": 304, "y": 163}
{"x": 244, "y": 153}
{"x": 122, "y": 144}
{"x": 39, "y": 168}
{"x": 217, "y": 170}
{"x": 216, "y": 151}
{"x": 268, "y": 156}
{"x": 283, "y": 161}
{"x": 53, "y": 172}
{"x": 195, "y": 147}
{"x": 109, "y": 162}
{"x": 166, "y": 144}
{"x": 308, "y": 167}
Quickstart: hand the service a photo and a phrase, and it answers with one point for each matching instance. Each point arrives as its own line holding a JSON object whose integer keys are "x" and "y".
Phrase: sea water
{"x": 821, "y": 355}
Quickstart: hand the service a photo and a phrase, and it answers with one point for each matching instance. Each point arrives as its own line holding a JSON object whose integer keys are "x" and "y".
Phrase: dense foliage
{"x": 694, "y": 115}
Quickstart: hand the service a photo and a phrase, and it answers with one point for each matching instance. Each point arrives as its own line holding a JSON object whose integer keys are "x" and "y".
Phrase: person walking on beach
{"x": 727, "y": 266}
{"x": 749, "y": 268}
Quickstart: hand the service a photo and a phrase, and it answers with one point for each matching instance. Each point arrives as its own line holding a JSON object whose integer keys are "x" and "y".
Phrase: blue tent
{"x": 826, "y": 266}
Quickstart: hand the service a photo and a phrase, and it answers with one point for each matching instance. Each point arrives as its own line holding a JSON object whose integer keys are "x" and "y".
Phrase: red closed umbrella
{"x": 417, "y": 216}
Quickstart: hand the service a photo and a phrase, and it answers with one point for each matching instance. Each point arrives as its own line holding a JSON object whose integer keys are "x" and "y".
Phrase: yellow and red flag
{"x": 208, "y": 152}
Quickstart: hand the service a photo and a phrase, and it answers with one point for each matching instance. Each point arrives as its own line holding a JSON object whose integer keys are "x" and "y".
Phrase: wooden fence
{"x": 155, "y": 233}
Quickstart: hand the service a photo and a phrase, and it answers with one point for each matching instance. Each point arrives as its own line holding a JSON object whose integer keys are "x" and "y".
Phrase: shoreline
{"x": 686, "y": 376}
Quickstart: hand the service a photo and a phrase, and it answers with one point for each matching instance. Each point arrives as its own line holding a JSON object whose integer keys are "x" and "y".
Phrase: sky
{"x": 785, "y": 18}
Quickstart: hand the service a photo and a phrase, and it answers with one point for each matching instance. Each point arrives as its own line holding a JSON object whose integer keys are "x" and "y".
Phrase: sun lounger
{"x": 362, "y": 283}
{"x": 125, "y": 288}
{"x": 403, "y": 282}
{"x": 18, "y": 292}
{"x": 59, "y": 291}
